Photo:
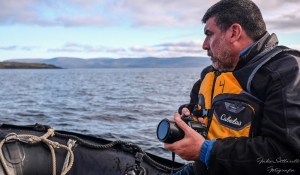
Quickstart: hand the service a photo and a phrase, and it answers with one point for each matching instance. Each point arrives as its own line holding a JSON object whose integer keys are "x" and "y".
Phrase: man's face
{"x": 218, "y": 47}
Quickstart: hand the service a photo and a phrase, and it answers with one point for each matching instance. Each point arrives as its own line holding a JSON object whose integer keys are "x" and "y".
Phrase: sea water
{"x": 114, "y": 104}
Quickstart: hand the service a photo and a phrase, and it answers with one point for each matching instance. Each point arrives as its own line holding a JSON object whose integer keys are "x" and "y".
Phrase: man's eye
{"x": 208, "y": 34}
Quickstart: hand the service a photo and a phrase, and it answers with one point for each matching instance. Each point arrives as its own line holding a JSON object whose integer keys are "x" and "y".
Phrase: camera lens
{"x": 168, "y": 132}
{"x": 163, "y": 129}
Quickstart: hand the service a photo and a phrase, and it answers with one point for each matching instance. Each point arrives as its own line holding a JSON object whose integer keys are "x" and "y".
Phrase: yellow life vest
{"x": 232, "y": 109}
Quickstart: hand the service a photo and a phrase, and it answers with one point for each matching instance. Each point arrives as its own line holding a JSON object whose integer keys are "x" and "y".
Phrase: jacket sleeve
{"x": 276, "y": 149}
{"x": 194, "y": 92}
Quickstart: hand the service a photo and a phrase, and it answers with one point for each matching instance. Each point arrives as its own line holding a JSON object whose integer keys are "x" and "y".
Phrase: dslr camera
{"x": 169, "y": 132}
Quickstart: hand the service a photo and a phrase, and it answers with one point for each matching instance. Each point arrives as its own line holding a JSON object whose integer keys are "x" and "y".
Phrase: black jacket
{"x": 276, "y": 146}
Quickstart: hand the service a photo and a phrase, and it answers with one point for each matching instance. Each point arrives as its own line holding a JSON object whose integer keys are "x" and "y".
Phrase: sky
{"x": 46, "y": 29}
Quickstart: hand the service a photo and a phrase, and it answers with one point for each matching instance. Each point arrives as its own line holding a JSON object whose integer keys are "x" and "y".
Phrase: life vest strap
{"x": 202, "y": 112}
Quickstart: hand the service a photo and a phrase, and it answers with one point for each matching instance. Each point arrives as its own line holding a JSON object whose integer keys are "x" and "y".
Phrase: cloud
{"x": 281, "y": 15}
{"x": 172, "y": 49}
{"x": 76, "y": 47}
{"x": 26, "y": 48}
{"x": 81, "y": 21}
{"x": 162, "y": 13}
{"x": 13, "y": 11}
{"x": 9, "y": 48}
{"x": 52, "y": 13}
{"x": 194, "y": 43}
{"x": 115, "y": 50}
{"x": 14, "y": 48}
{"x": 294, "y": 46}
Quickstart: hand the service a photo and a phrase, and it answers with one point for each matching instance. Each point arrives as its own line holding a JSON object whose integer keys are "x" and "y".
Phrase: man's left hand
{"x": 189, "y": 147}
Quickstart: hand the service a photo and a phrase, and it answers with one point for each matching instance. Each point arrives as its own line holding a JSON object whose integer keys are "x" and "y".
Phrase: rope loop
{"x": 32, "y": 139}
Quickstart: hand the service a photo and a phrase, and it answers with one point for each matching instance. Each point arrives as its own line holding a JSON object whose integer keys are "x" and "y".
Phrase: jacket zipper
{"x": 217, "y": 73}
{"x": 252, "y": 119}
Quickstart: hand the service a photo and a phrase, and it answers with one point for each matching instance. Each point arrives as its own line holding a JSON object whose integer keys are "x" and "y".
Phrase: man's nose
{"x": 205, "y": 45}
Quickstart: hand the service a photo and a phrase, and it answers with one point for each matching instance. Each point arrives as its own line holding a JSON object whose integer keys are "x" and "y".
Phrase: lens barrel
{"x": 168, "y": 132}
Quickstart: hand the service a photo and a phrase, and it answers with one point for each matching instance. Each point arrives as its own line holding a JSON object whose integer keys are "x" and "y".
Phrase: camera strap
{"x": 173, "y": 160}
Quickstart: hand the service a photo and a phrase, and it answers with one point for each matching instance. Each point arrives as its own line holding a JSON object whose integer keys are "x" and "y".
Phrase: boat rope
{"x": 71, "y": 143}
{"x": 127, "y": 145}
{"x": 32, "y": 139}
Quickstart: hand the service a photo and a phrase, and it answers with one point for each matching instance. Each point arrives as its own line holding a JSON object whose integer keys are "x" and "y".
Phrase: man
{"x": 242, "y": 51}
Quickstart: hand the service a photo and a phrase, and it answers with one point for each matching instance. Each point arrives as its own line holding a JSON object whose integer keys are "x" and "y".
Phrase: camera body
{"x": 169, "y": 132}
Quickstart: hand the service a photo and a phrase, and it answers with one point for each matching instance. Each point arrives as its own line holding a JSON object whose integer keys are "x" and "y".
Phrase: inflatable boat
{"x": 40, "y": 150}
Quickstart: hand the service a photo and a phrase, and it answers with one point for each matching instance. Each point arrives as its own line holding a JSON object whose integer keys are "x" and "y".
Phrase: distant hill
{"x": 17, "y": 65}
{"x": 148, "y": 62}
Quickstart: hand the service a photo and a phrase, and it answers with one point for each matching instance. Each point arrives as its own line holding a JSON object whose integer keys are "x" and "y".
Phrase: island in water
{"x": 18, "y": 65}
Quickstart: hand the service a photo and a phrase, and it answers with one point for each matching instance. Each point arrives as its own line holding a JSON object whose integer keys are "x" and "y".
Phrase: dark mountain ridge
{"x": 147, "y": 62}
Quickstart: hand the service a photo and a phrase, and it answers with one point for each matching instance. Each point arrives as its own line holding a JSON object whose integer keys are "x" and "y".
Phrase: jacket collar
{"x": 266, "y": 41}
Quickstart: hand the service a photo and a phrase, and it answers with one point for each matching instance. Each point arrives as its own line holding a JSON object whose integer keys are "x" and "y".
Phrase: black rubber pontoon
{"x": 92, "y": 156}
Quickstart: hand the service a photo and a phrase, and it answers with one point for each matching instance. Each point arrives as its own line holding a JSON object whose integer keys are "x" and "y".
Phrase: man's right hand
{"x": 186, "y": 112}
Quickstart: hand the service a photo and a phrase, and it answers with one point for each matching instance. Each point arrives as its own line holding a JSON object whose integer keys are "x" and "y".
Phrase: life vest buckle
{"x": 202, "y": 112}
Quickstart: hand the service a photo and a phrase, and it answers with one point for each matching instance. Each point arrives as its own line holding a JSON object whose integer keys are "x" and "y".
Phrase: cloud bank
{"x": 172, "y": 49}
{"x": 279, "y": 14}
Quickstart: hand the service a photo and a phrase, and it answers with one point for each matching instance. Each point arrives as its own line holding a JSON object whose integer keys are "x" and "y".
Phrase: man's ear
{"x": 236, "y": 32}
